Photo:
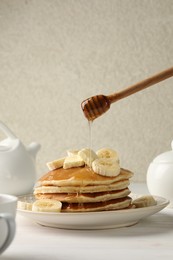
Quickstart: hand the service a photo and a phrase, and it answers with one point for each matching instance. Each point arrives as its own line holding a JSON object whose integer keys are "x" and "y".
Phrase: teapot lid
{"x": 166, "y": 157}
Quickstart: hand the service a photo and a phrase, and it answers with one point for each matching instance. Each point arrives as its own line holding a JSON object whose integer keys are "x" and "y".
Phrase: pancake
{"x": 80, "y": 189}
{"x": 115, "y": 204}
{"x": 79, "y": 176}
{"x": 119, "y": 185}
{"x": 84, "y": 197}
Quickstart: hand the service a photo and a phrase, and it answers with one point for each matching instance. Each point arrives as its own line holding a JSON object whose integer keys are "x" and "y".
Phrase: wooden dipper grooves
{"x": 95, "y": 106}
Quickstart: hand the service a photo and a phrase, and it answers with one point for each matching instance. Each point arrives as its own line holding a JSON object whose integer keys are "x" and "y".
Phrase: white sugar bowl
{"x": 160, "y": 176}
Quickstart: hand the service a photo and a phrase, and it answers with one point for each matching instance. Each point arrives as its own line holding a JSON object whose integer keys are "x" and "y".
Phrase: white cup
{"x": 8, "y": 205}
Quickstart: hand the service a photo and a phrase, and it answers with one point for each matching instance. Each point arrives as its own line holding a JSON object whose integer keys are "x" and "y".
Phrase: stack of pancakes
{"x": 80, "y": 189}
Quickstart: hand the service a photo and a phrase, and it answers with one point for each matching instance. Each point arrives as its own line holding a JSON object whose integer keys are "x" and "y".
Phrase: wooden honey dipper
{"x": 95, "y": 106}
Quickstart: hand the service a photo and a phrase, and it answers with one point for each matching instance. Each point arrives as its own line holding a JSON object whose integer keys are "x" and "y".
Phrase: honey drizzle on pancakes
{"x": 80, "y": 176}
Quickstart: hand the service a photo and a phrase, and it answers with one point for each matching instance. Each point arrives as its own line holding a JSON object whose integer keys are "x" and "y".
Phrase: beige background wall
{"x": 54, "y": 54}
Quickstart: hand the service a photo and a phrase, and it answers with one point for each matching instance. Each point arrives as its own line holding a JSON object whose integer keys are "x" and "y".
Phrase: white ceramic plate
{"x": 93, "y": 220}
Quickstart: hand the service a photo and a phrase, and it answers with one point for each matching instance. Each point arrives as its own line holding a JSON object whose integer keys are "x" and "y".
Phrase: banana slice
{"x": 106, "y": 167}
{"x": 107, "y": 153}
{"x": 72, "y": 152}
{"x": 144, "y": 201}
{"x": 55, "y": 164}
{"x": 88, "y": 156}
{"x": 24, "y": 205}
{"x": 73, "y": 161}
{"x": 47, "y": 205}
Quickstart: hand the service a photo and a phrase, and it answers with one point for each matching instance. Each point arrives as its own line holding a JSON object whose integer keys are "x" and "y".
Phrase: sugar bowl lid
{"x": 166, "y": 157}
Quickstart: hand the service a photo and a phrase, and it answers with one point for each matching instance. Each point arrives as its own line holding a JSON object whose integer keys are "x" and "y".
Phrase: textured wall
{"x": 54, "y": 54}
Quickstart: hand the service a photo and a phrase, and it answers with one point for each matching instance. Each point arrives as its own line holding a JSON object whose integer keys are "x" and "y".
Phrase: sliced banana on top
{"x": 56, "y": 164}
{"x": 73, "y": 161}
{"x": 106, "y": 167}
{"x": 144, "y": 201}
{"x": 88, "y": 156}
{"x": 105, "y": 161}
{"x": 46, "y": 205}
{"x": 107, "y": 153}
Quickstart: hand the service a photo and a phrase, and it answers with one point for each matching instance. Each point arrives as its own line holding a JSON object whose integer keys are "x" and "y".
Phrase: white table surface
{"x": 151, "y": 238}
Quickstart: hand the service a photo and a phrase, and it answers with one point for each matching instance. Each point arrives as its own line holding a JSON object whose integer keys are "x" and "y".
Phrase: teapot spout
{"x": 33, "y": 148}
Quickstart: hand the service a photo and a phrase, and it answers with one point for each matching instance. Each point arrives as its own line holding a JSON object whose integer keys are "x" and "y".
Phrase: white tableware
{"x": 92, "y": 220}
{"x": 160, "y": 176}
{"x": 17, "y": 164}
{"x": 8, "y": 205}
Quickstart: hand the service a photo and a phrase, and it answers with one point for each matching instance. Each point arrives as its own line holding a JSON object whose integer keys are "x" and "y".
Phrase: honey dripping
{"x": 90, "y": 140}
{"x": 90, "y": 148}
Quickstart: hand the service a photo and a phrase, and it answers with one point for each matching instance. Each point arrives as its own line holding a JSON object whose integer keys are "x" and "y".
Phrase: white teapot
{"x": 17, "y": 164}
{"x": 160, "y": 176}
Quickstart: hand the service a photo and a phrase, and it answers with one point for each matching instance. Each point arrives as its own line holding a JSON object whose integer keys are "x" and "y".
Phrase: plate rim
{"x": 96, "y": 220}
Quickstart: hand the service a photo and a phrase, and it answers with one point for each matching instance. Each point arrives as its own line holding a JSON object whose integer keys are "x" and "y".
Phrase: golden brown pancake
{"x": 84, "y": 197}
{"x": 80, "y": 176}
{"x": 115, "y": 204}
{"x": 119, "y": 185}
